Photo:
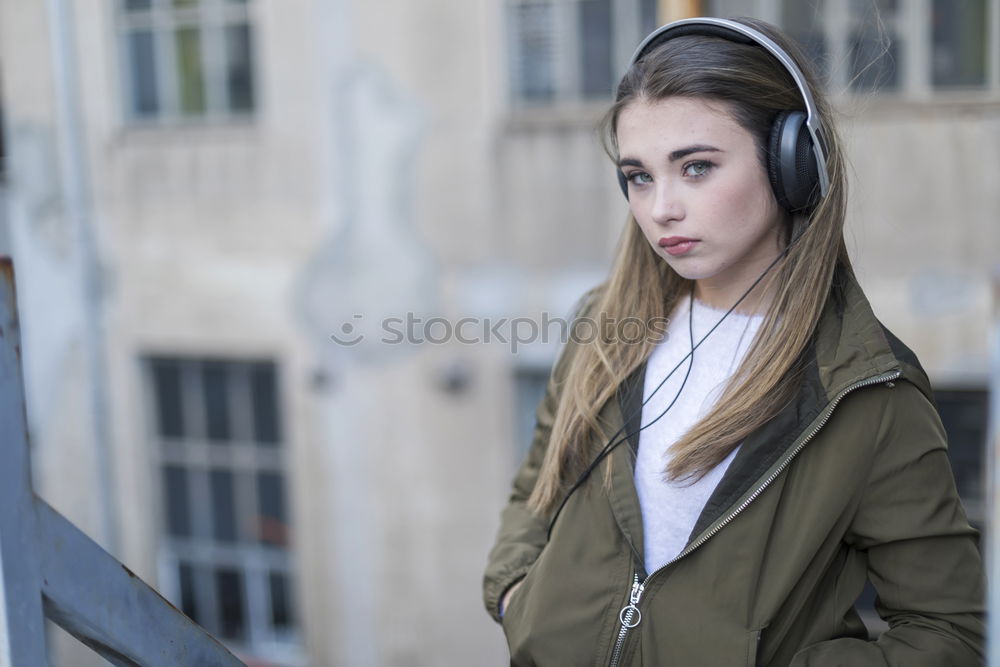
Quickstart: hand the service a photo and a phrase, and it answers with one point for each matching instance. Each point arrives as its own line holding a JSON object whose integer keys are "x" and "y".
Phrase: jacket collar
{"x": 852, "y": 344}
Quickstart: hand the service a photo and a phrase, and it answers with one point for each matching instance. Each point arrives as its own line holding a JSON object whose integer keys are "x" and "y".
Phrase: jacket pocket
{"x": 516, "y": 595}
{"x": 520, "y": 620}
{"x": 514, "y": 603}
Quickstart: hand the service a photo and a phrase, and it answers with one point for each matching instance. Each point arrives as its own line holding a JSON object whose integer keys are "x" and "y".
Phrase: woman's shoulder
{"x": 910, "y": 366}
{"x": 851, "y": 342}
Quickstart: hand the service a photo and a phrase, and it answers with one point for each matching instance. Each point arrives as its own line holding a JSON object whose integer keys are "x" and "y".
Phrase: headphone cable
{"x": 612, "y": 444}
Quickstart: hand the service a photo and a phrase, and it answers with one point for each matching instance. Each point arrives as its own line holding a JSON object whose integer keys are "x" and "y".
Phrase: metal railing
{"x": 52, "y": 569}
{"x": 992, "y": 533}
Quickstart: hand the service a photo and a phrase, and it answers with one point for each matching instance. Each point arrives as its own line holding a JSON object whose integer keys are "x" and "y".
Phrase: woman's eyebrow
{"x": 698, "y": 148}
{"x": 674, "y": 155}
{"x": 629, "y": 162}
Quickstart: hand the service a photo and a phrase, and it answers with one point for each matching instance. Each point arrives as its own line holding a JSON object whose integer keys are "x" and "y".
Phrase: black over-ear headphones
{"x": 796, "y": 159}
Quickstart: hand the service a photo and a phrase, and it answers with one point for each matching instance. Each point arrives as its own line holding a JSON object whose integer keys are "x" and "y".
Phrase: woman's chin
{"x": 689, "y": 268}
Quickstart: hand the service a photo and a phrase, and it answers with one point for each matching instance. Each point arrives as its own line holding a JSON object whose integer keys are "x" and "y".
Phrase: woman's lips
{"x": 677, "y": 245}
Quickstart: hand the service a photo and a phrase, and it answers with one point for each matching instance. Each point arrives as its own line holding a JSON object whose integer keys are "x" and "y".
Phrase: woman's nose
{"x": 667, "y": 206}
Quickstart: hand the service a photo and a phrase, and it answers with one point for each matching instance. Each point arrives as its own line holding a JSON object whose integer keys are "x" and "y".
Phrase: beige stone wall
{"x": 923, "y": 228}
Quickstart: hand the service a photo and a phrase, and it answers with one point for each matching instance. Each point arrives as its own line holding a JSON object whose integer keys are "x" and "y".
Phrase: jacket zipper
{"x": 630, "y": 616}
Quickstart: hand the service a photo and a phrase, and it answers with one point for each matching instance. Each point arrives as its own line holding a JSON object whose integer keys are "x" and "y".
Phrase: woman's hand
{"x": 506, "y": 596}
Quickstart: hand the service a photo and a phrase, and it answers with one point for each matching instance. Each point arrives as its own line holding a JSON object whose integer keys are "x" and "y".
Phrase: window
{"x": 802, "y": 21}
{"x": 3, "y": 146}
{"x": 5, "y": 245}
{"x": 958, "y": 43}
{"x": 911, "y": 50}
{"x": 572, "y": 50}
{"x": 530, "y": 381}
{"x": 862, "y": 54}
{"x": 964, "y": 413}
{"x": 216, "y": 427}
{"x": 873, "y": 45}
{"x": 186, "y": 59}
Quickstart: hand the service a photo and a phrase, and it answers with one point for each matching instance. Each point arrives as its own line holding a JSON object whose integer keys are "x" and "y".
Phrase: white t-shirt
{"x": 669, "y": 509}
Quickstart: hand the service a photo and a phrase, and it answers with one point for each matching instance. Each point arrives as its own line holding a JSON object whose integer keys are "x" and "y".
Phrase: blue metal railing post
{"x": 22, "y": 633}
{"x": 50, "y": 568}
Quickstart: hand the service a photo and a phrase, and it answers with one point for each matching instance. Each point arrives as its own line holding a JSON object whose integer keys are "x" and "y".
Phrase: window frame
{"x": 973, "y": 397}
{"x": 916, "y": 71}
{"x": 210, "y": 19}
{"x": 568, "y": 83}
{"x": 4, "y": 146}
{"x": 245, "y": 458}
{"x": 529, "y": 379}
{"x": 913, "y": 22}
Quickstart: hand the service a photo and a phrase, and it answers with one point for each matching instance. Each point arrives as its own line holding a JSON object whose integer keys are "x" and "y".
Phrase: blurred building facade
{"x": 258, "y": 177}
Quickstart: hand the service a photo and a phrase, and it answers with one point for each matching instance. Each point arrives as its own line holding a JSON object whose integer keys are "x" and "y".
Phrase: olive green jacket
{"x": 850, "y": 482}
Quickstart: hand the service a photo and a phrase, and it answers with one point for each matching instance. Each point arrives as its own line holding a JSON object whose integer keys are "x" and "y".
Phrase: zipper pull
{"x": 630, "y": 616}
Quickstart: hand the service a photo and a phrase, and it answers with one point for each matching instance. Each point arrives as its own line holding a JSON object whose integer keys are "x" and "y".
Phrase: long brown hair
{"x": 753, "y": 86}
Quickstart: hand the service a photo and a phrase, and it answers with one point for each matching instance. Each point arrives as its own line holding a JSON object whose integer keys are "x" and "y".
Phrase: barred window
{"x": 530, "y": 381}
{"x": 933, "y": 49}
{"x": 965, "y": 413}
{"x": 185, "y": 60}
{"x": 3, "y": 145}
{"x": 565, "y": 51}
{"x": 217, "y": 443}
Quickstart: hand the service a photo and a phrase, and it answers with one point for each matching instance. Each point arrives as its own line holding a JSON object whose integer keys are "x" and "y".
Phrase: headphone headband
{"x": 744, "y": 34}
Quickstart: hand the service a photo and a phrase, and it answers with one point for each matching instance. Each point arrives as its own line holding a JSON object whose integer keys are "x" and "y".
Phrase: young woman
{"x": 720, "y": 496}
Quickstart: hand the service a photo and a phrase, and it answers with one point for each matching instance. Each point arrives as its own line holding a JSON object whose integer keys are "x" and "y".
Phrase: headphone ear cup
{"x": 791, "y": 163}
{"x": 623, "y": 183}
{"x": 774, "y": 159}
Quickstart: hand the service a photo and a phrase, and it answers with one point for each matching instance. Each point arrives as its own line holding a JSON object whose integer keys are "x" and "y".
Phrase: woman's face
{"x": 699, "y": 193}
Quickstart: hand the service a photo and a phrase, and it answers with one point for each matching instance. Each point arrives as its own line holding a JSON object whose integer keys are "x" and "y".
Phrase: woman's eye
{"x": 696, "y": 169}
{"x": 640, "y": 178}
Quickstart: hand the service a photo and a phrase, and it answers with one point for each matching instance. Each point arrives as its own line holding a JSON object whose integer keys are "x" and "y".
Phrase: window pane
{"x": 177, "y": 501}
{"x": 964, "y": 415}
{"x": 272, "y": 527}
{"x": 264, "y": 396}
{"x": 188, "y": 604}
{"x": 134, "y": 5}
{"x": 595, "y": 52}
{"x": 142, "y": 70}
{"x": 648, "y": 17}
{"x": 281, "y": 609}
{"x": 803, "y": 22}
{"x": 216, "y": 390}
{"x": 190, "y": 78}
{"x": 239, "y": 68}
{"x": 3, "y": 147}
{"x": 169, "y": 406}
{"x": 958, "y": 43}
{"x": 874, "y": 60}
{"x": 533, "y": 51}
{"x": 229, "y": 591}
{"x": 873, "y": 46}
{"x": 874, "y": 9}
{"x": 529, "y": 387}
{"x": 223, "y": 506}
